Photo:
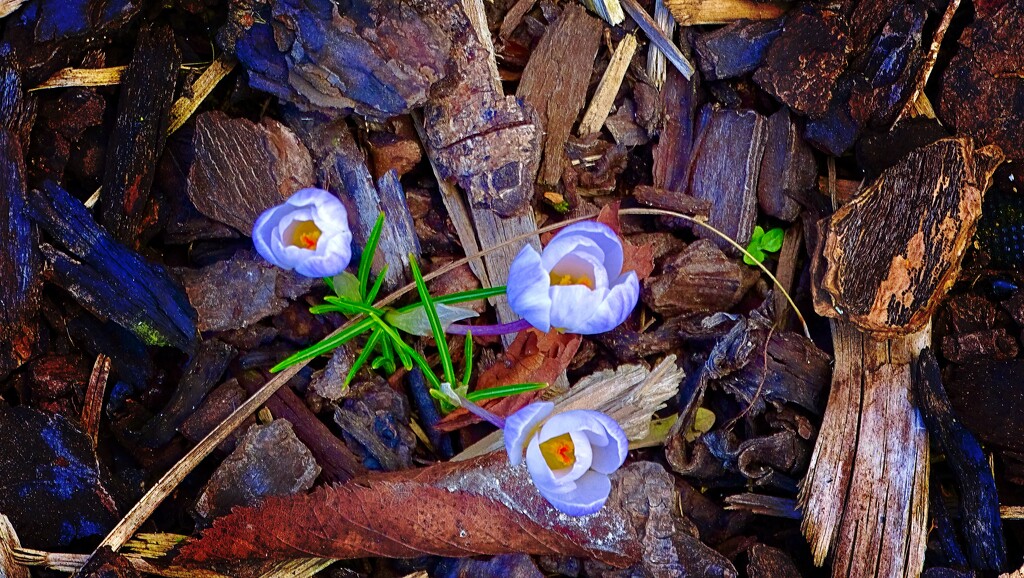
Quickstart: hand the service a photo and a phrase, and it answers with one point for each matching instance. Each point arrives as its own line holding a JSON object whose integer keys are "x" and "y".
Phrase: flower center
{"x": 304, "y": 234}
{"x": 568, "y": 279}
{"x": 559, "y": 452}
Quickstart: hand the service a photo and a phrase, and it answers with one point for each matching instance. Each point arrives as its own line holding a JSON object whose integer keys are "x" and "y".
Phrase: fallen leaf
{"x": 638, "y": 258}
{"x": 478, "y": 507}
{"x": 533, "y": 357}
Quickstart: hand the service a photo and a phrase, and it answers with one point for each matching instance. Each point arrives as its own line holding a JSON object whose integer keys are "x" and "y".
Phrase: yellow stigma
{"x": 567, "y": 279}
{"x": 559, "y": 452}
{"x": 304, "y": 234}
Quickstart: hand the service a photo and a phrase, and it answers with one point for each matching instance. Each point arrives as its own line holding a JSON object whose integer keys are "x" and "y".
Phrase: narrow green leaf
{"x": 461, "y": 297}
{"x": 330, "y": 283}
{"x": 503, "y": 391}
{"x": 324, "y": 346}
{"x": 364, "y": 355}
{"x": 366, "y": 260}
{"x": 435, "y": 323}
{"x": 407, "y": 354}
{"x": 467, "y": 354}
{"x": 352, "y": 307}
{"x": 376, "y": 285}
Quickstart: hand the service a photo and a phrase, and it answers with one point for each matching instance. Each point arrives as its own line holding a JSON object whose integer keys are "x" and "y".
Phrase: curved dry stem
{"x": 142, "y": 510}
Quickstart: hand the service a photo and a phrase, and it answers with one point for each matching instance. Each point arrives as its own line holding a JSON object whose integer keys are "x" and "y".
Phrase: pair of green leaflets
{"x": 762, "y": 242}
{"x": 354, "y": 298}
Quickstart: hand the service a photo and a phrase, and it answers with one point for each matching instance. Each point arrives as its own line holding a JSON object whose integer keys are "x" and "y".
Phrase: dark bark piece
{"x": 724, "y": 170}
{"x": 394, "y": 146}
{"x": 107, "y": 278}
{"x": 377, "y": 419}
{"x": 341, "y": 167}
{"x": 54, "y": 493}
{"x": 701, "y": 279}
{"x": 215, "y": 408}
{"x": 106, "y": 563}
{"x": 143, "y": 105}
{"x": 239, "y": 291}
{"x": 202, "y": 373}
{"x": 17, "y": 109}
{"x": 768, "y": 562}
{"x": 805, "y": 60}
{"x": 788, "y": 169}
{"x": 892, "y": 253}
{"x": 987, "y": 396}
{"x": 945, "y": 539}
{"x": 337, "y": 462}
{"x": 672, "y": 201}
{"x": 735, "y": 49}
{"x": 879, "y": 151}
{"x": 995, "y": 344}
{"x": 795, "y": 371}
{"x": 19, "y": 256}
{"x": 60, "y": 126}
{"x": 242, "y": 168}
{"x": 555, "y": 82}
{"x": 502, "y": 566}
{"x": 982, "y": 91}
{"x": 979, "y": 500}
{"x": 675, "y": 143}
{"x": 376, "y": 58}
{"x": 246, "y": 477}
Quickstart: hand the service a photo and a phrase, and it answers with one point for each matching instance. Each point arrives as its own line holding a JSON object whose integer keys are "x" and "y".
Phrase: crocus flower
{"x": 569, "y": 455}
{"x": 576, "y": 284}
{"x": 308, "y": 232}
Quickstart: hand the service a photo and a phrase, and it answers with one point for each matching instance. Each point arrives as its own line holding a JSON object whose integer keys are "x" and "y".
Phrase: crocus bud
{"x": 569, "y": 455}
{"x": 576, "y": 284}
{"x": 308, "y": 232}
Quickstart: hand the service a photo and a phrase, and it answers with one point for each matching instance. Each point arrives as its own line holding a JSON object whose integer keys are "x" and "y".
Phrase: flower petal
{"x": 588, "y": 495}
{"x": 600, "y": 236}
{"x": 312, "y": 196}
{"x": 528, "y": 284}
{"x": 609, "y": 445}
{"x": 615, "y": 308}
{"x": 572, "y": 306}
{"x": 520, "y": 424}
{"x": 333, "y": 251}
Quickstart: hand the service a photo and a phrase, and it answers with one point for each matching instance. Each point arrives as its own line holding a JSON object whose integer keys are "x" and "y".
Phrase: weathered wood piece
{"x": 107, "y": 278}
{"x": 981, "y": 526}
{"x": 865, "y": 495}
{"x": 143, "y": 106}
{"x": 17, "y": 110}
{"x": 736, "y": 49}
{"x": 894, "y": 251}
{"x": 805, "y": 60}
{"x": 724, "y": 170}
{"x": 19, "y": 256}
{"x": 672, "y": 201}
{"x": 604, "y": 95}
{"x": 788, "y": 169}
{"x": 333, "y": 59}
{"x": 555, "y": 82}
{"x": 675, "y": 143}
{"x": 982, "y": 89}
{"x": 700, "y": 12}
{"x": 9, "y": 568}
{"x": 340, "y": 166}
{"x": 700, "y": 279}
{"x": 242, "y": 168}
{"x": 202, "y": 373}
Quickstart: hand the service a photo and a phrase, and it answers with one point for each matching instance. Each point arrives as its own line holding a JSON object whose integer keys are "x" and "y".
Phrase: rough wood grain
{"x": 699, "y": 12}
{"x": 143, "y": 106}
{"x": 555, "y": 82}
{"x": 604, "y": 95}
{"x": 724, "y": 170}
{"x": 19, "y": 256}
{"x": 242, "y": 168}
{"x": 865, "y": 496}
{"x": 675, "y": 144}
{"x": 894, "y": 251}
{"x": 788, "y": 168}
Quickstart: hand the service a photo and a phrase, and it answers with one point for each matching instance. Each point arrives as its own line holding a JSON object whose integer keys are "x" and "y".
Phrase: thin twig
{"x": 94, "y": 397}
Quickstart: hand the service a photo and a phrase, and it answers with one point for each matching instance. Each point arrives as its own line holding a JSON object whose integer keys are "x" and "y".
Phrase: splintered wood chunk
{"x": 698, "y": 12}
{"x": 894, "y": 251}
{"x": 724, "y": 170}
{"x": 865, "y": 496}
{"x": 19, "y": 257}
{"x": 736, "y": 49}
{"x": 242, "y": 168}
{"x": 555, "y": 82}
{"x": 701, "y": 279}
{"x": 982, "y": 89}
{"x": 672, "y": 152}
{"x": 788, "y": 169}
{"x": 144, "y": 102}
{"x": 804, "y": 62}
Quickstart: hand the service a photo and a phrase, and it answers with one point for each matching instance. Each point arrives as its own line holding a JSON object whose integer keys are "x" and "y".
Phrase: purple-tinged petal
{"x": 608, "y": 442}
{"x": 520, "y": 425}
{"x": 615, "y": 308}
{"x": 333, "y": 251}
{"x": 572, "y": 306}
{"x": 528, "y": 285}
{"x": 588, "y": 495}
{"x": 583, "y": 265}
{"x": 560, "y": 246}
{"x": 603, "y": 237}
{"x": 311, "y": 196}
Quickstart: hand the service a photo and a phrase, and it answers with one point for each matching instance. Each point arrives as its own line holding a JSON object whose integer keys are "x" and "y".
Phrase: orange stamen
{"x": 304, "y": 234}
{"x": 559, "y": 452}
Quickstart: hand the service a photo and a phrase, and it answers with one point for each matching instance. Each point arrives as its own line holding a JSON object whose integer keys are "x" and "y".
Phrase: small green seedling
{"x": 763, "y": 242}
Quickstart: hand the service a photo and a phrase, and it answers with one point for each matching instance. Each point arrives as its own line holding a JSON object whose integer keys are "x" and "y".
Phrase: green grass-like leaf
{"x": 324, "y": 346}
{"x": 460, "y": 297}
{"x": 435, "y": 322}
{"x": 468, "y": 356}
{"x": 366, "y": 260}
{"x": 364, "y": 355}
{"x": 376, "y": 285}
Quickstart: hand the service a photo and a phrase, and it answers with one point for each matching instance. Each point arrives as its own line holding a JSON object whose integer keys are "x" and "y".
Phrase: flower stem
{"x": 473, "y": 408}
{"x": 498, "y": 329}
